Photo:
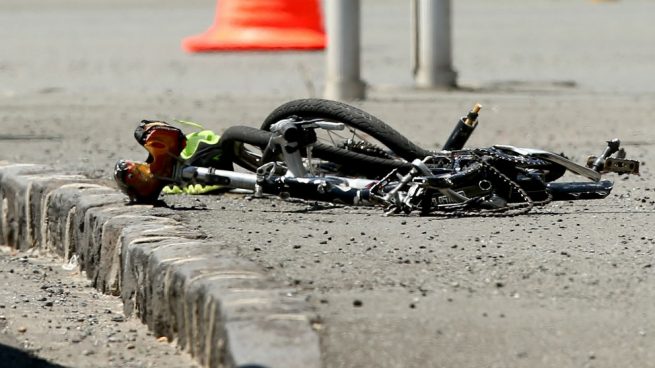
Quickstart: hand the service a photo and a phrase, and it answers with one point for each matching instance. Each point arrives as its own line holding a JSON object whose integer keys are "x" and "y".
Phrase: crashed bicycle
{"x": 289, "y": 160}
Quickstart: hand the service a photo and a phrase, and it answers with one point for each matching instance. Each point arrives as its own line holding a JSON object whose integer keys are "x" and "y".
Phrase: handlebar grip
{"x": 314, "y": 123}
{"x": 330, "y": 126}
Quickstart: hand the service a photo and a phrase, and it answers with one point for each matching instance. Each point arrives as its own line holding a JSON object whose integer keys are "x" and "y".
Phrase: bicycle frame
{"x": 298, "y": 182}
{"x": 452, "y": 181}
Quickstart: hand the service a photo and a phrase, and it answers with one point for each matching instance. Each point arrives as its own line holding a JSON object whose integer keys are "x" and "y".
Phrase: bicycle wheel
{"x": 234, "y": 141}
{"x": 364, "y": 134}
{"x": 360, "y": 127}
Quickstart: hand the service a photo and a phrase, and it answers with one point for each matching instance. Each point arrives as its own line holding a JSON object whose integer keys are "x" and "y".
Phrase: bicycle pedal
{"x": 616, "y": 165}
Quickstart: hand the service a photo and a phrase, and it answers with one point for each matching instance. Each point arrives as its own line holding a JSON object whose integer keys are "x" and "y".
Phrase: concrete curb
{"x": 221, "y": 308}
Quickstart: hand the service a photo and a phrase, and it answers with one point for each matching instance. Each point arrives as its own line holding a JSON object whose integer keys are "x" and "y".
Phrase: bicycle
{"x": 497, "y": 180}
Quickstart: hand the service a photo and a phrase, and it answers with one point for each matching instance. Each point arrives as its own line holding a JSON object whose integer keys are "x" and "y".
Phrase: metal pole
{"x": 433, "y": 45}
{"x": 343, "y": 81}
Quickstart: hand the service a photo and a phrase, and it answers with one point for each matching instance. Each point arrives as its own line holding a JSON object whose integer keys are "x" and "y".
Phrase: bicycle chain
{"x": 508, "y": 211}
{"x": 518, "y": 160}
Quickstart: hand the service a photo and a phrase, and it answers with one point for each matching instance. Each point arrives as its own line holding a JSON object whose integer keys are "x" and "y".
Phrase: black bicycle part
{"x": 314, "y": 108}
{"x": 328, "y": 189}
{"x": 459, "y": 136}
{"x": 580, "y": 190}
{"x": 463, "y": 130}
{"x": 508, "y": 159}
{"x": 233, "y": 138}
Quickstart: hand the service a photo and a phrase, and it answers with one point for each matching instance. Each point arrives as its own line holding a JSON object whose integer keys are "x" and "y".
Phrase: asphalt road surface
{"x": 570, "y": 284}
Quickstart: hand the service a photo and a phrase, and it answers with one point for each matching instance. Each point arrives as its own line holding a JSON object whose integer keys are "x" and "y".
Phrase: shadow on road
{"x": 12, "y": 357}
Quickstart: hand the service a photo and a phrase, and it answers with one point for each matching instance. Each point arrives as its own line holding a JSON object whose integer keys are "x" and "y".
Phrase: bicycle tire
{"x": 315, "y": 108}
{"x": 233, "y": 138}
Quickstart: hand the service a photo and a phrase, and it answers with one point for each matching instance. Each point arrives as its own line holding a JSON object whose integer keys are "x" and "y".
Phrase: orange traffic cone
{"x": 262, "y": 25}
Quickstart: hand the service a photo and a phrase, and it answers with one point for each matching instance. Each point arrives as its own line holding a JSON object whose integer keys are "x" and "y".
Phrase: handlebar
{"x": 329, "y": 126}
{"x": 306, "y": 124}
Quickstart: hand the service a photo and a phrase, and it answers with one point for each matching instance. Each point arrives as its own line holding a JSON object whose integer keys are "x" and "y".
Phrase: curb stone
{"x": 224, "y": 310}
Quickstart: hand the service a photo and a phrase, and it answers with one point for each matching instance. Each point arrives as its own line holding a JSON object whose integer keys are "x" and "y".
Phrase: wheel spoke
{"x": 329, "y": 133}
{"x": 354, "y": 132}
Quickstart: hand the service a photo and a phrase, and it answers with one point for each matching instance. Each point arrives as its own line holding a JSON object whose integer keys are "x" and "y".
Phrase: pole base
{"x": 345, "y": 90}
{"x": 435, "y": 79}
